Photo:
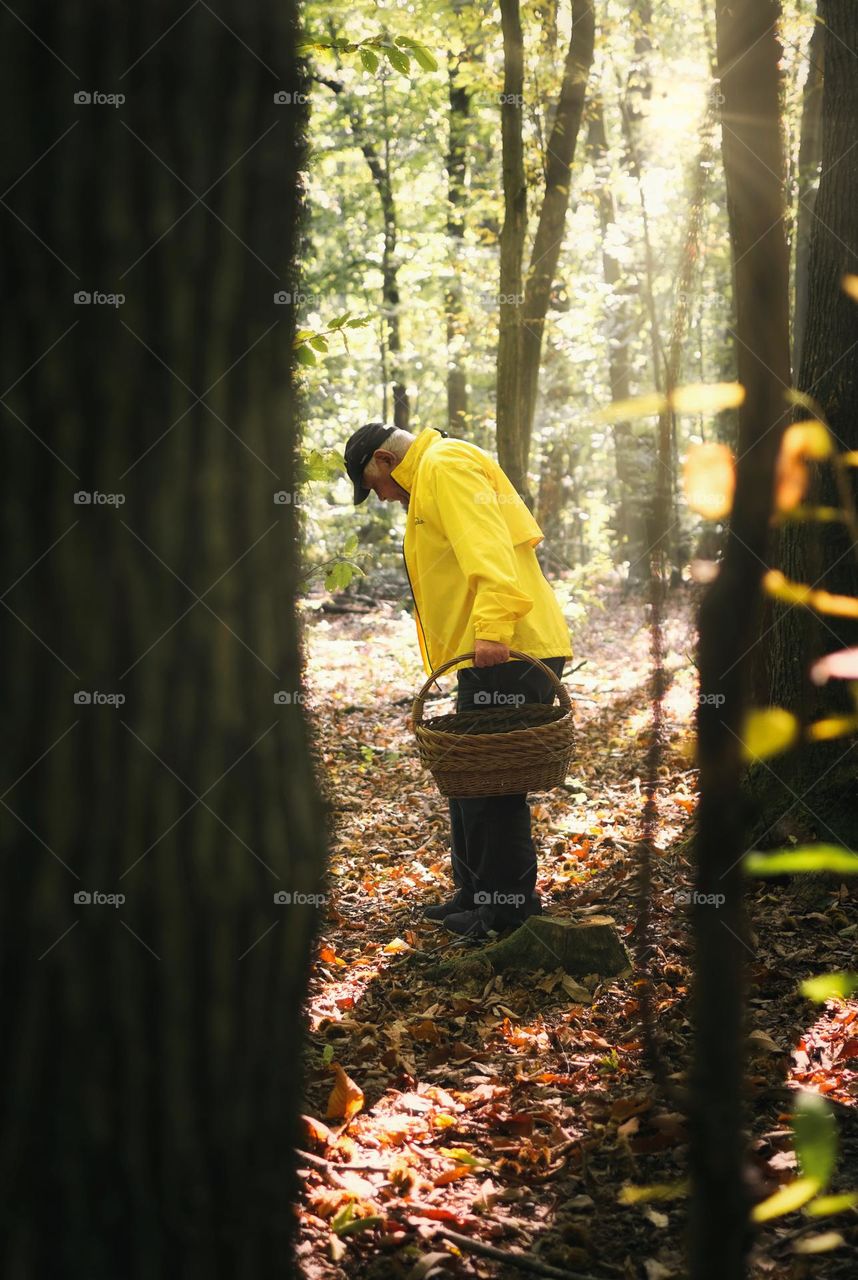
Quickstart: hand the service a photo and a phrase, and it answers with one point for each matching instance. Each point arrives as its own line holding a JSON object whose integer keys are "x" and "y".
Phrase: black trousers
{"x": 492, "y": 850}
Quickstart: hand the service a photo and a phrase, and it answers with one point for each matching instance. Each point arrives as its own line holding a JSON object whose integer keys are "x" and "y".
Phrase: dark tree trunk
{"x": 508, "y": 412}
{"x": 748, "y": 54}
{"x": 809, "y": 155}
{"x": 150, "y": 1072}
{"x": 457, "y": 153}
{"x": 548, "y": 241}
{"x": 822, "y": 554}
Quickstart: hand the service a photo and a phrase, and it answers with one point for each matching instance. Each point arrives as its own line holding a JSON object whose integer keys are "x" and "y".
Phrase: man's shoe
{"x": 438, "y": 911}
{"x": 466, "y": 924}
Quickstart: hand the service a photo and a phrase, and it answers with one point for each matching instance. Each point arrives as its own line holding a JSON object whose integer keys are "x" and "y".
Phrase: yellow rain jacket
{"x": 469, "y": 551}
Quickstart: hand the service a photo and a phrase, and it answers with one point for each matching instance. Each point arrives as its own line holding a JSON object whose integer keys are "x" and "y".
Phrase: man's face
{"x": 376, "y": 476}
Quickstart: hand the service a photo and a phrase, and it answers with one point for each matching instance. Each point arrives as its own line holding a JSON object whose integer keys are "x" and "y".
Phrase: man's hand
{"x": 488, "y": 653}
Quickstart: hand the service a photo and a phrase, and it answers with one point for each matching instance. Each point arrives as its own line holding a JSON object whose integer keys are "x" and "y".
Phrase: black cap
{"x": 360, "y": 447}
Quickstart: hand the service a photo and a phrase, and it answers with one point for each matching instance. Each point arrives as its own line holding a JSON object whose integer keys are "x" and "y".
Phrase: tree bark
{"x": 809, "y": 155}
{"x": 457, "y": 152}
{"x": 748, "y": 54}
{"x": 150, "y": 1079}
{"x": 508, "y": 412}
{"x": 822, "y": 554}
{"x": 548, "y": 241}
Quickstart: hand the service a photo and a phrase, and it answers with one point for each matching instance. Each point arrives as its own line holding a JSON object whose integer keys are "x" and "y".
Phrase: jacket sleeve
{"x": 467, "y": 505}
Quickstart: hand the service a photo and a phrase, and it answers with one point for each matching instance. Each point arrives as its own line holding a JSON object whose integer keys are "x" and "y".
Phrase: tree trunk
{"x": 634, "y": 456}
{"x": 378, "y": 162}
{"x": 151, "y": 1070}
{"x": 508, "y": 412}
{"x": 457, "y": 151}
{"x": 822, "y": 554}
{"x": 809, "y": 154}
{"x": 748, "y": 54}
{"x": 548, "y": 241}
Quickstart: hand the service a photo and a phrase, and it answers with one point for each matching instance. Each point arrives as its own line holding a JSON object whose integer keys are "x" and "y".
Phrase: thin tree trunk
{"x": 457, "y": 150}
{"x": 150, "y": 1077}
{"x": 508, "y": 411}
{"x": 548, "y": 241}
{"x": 378, "y": 162}
{"x": 748, "y": 54}
{"x": 634, "y": 460}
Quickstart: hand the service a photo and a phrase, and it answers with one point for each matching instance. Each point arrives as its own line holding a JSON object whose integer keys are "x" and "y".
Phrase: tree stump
{"x": 548, "y": 942}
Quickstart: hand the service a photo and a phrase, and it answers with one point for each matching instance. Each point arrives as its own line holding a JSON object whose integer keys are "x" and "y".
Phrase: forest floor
{"x": 518, "y": 1112}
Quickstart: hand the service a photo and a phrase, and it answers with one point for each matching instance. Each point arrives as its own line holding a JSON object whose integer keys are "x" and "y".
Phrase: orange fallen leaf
{"x": 346, "y": 1098}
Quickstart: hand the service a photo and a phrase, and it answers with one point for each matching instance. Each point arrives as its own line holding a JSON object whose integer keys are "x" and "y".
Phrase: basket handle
{"x": 560, "y": 689}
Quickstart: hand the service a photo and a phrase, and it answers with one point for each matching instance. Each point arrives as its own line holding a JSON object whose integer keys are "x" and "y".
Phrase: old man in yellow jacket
{"x": 477, "y": 585}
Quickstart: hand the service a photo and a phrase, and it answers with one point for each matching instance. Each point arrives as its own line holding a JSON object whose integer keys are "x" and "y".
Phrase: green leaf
{"x": 785, "y": 1200}
{"x": 397, "y": 59}
{"x": 815, "y": 1132}
{"x": 319, "y": 341}
{"x": 812, "y": 857}
{"x": 327, "y": 1054}
{"x": 351, "y": 544}
{"x": 425, "y": 59}
{"x": 768, "y": 731}
{"x": 339, "y": 575}
{"x": 829, "y": 986}
{"x": 369, "y": 59}
{"x": 304, "y": 355}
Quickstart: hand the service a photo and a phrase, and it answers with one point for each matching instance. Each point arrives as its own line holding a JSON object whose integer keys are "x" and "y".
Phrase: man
{"x": 477, "y": 585}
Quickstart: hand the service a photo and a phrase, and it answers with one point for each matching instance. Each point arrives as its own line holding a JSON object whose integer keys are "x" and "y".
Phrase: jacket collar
{"x": 404, "y": 472}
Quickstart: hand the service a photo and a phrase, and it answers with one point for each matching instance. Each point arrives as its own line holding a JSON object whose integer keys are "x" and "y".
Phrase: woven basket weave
{"x": 496, "y": 751}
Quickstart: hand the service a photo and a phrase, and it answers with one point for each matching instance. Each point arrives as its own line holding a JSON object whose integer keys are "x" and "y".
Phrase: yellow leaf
{"x": 346, "y": 1098}
{"x": 786, "y": 1199}
{"x": 801, "y": 441}
{"x": 644, "y": 406}
{"x": 822, "y": 1243}
{"x": 832, "y": 1204}
{"x": 831, "y": 727}
{"x": 396, "y": 946}
{"x": 781, "y": 588}
{"x": 707, "y": 397}
{"x": 709, "y": 480}
{"x": 768, "y": 731}
{"x": 850, "y": 286}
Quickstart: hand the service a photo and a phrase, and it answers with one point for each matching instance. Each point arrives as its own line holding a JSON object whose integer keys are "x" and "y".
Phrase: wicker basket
{"x": 498, "y": 751}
